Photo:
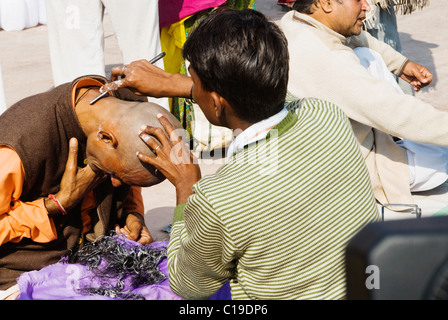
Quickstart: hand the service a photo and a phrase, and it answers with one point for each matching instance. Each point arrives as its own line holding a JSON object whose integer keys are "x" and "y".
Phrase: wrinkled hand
{"x": 76, "y": 182}
{"x": 135, "y": 229}
{"x": 173, "y": 158}
{"x": 417, "y": 75}
{"x": 144, "y": 78}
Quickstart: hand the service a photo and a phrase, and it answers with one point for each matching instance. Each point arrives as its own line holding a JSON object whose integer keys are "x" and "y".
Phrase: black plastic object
{"x": 399, "y": 260}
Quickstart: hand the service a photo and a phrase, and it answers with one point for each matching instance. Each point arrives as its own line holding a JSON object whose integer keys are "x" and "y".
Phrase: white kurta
{"x": 76, "y": 35}
{"x": 428, "y": 163}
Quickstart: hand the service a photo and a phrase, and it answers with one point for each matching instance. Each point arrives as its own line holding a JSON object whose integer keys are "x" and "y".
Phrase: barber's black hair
{"x": 244, "y": 57}
{"x": 304, "y": 6}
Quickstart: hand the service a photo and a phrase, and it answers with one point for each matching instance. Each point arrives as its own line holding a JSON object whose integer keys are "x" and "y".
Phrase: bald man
{"x": 70, "y": 173}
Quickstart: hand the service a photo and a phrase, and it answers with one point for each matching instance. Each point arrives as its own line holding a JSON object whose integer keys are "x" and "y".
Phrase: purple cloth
{"x": 66, "y": 281}
{"x": 223, "y": 293}
{"x": 59, "y": 281}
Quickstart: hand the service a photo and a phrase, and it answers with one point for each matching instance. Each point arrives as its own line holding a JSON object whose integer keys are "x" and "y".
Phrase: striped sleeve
{"x": 198, "y": 250}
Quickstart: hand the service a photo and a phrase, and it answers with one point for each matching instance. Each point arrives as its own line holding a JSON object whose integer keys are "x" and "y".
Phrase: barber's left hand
{"x": 173, "y": 157}
{"x": 417, "y": 75}
{"x": 135, "y": 229}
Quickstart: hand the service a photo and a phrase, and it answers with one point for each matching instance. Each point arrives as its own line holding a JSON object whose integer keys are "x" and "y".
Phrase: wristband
{"x": 52, "y": 197}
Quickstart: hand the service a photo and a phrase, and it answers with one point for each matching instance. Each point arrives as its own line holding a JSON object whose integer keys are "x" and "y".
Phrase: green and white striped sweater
{"x": 276, "y": 218}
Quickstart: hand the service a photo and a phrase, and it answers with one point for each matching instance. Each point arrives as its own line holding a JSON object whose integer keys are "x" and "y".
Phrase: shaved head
{"x": 114, "y": 146}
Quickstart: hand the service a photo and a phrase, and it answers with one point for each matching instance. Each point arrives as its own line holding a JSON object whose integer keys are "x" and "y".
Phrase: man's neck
{"x": 257, "y": 131}
{"x": 322, "y": 18}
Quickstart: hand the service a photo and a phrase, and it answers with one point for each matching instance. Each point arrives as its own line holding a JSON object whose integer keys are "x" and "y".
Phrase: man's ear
{"x": 326, "y": 5}
{"x": 220, "y": 104}
{"x": 108, "y": 138}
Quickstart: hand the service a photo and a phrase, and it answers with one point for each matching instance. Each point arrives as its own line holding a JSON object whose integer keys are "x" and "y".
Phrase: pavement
{"x": 26, "y": 70}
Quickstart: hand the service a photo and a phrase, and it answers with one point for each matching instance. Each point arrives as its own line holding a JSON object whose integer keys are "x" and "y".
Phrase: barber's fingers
{"x": 118, "y": 72}
{"x": 155, "y": 147}
{"x": 120, "y": 83}
{"x": 118, "y": 78}
{"x": 174, "y": 135}
{"x": 149, "y": 160}
{"x": 157, "y": 133}
{"x": 169, "y": 128}
{"x": 114, "y": 85}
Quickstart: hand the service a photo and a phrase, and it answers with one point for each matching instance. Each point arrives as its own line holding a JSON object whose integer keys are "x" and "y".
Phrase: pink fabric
{"x": 171, "y": 11}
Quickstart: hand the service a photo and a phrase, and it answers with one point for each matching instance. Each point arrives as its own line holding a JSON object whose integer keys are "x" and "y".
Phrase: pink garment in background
{"x": 171, "y": 11}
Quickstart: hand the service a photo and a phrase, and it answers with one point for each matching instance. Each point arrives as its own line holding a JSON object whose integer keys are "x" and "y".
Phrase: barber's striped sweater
{"x": 276, "y": 218}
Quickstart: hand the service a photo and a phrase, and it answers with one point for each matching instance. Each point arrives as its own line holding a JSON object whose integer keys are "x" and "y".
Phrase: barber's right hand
{"x": 76, "y": 182}
{"x": 144, "y": 78}
{"x": 140, "y": 76}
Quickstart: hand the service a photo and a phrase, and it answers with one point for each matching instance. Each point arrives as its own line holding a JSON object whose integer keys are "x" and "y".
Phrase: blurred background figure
{"x": 16, "y": 15}
{"x": 76, "y": 35}
{"x": 178, "y": 18}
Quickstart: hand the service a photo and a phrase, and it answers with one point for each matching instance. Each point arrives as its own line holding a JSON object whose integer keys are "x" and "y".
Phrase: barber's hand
{"x": 135, "y": 229}
{"x": 75, "y": 183}
{"x": 417, "y": 75}
{"x": 145, "y": 78}
{"x": 173, "y": 158}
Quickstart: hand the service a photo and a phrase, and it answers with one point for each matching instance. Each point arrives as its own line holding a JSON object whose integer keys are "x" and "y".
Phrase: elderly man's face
{"x": 348, "y": 16}
{"x": 102, "y": 156}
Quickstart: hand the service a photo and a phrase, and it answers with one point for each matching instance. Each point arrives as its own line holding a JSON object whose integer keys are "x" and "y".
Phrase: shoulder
{"x": 296, "y": 29}
{"x": 312, "y": 107}
{"x": 322, "y": 124}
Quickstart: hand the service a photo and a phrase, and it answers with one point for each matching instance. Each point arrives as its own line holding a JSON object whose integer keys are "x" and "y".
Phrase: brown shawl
{"x": 38, "y": 128}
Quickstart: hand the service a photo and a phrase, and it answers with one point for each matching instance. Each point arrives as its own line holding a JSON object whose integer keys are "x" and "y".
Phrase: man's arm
{"x": 415, "y": 74}
{"x": 135, "y": 227}
{"x": 30, "y": 219}
{"x": 338, "y": 77}
{"x": 200, "y": 252}
{"x": 20, "y": 219}
{"x": 394, "y": 60}
{"x": 146, "y": 79}
{"x": 134, "y": 202}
